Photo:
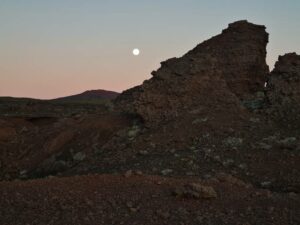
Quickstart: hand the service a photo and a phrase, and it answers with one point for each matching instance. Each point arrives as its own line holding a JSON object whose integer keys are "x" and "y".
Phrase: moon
{"x": 136, "y": 52}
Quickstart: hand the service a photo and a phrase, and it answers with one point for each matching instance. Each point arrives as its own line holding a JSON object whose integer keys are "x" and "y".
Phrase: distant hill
{"x": 71, "y": 104}
{"x": 88, "y": 101}
{"x": 90, "y": 95}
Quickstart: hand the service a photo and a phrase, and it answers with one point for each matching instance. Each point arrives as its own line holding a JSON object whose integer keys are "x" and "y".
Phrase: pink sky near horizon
{"x": 41, "y": 77}
{"x": 68, "y": 78}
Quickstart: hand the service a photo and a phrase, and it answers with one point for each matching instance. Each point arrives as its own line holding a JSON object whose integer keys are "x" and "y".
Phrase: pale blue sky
{"x": 60, "y": 47}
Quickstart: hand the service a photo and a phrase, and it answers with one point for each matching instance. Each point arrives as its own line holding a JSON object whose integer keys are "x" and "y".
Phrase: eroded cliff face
{"x": 216, "y": 75}
{"x": 283, "y": 90}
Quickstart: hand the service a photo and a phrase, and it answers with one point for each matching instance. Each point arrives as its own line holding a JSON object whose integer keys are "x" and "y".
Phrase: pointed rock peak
{"x": 244, "y": 24}
{"x": 222, "y": 70}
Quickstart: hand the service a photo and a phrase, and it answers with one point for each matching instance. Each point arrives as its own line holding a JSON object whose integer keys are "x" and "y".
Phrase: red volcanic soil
{"x": 109, "y": 199}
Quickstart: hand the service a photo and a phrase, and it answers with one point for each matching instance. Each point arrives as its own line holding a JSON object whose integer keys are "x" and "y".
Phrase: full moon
{"x": 136, "y": 51}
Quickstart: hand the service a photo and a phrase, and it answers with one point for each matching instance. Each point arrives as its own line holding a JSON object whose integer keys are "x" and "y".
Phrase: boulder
{"x": 196, "y": 191}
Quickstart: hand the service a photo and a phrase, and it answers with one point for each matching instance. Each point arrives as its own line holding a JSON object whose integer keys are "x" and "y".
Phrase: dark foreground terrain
{"x": 212, "y": 138}
{"x": 115, "y": 199}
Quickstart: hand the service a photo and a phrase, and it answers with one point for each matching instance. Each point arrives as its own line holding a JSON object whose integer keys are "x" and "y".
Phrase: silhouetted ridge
{"x": 91, "y": 94}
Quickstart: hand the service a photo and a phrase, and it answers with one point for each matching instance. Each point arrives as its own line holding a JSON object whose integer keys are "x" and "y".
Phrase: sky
{"x": 55, "y": 48}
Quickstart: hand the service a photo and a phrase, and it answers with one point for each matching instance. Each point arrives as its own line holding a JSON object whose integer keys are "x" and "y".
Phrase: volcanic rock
{"x": 223, "y": 70}
{"x": 195, "y": 190}
{"x": 283, "y": 90}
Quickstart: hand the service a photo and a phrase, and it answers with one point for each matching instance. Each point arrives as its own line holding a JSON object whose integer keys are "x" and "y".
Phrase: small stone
{"x": 143, "y": 152}
{"x": 195, "y": 111}
{"x": 129, "y": 204}
{"x": 112, "y": 202}
{"x": 182, "y": 211}
{"x": 23, "y": 172}
{"x": 207, "y": 176}
{"x": 228, "y": 162}
{"x": 270, "y": 139}
{"x": 97, "y": 150}
{"x": 195, "y": 190}
{"x": 199, "y": 120}
{"x": 79, "y": 156}
{"x": 133, "y": 210}
{"x": 190, "y": 173}
{"x": 138, "y": 172}
{"x": 243, "y": 166}
{"x": 199, "y": 219}
{"x": 178, "y": 191}
{"x": 192, "y": 148}
{"x": 131, "y": 207}
{"x": 128, "y": 173}
{"x": 204, "y": 119}
{"x": 217, "y": 158}
{"x": 224, "y": 177}
{"x": 254, "y": 120}
{"x": 202, "y": 191}
{"x": 191, "y": 162}
{"x": 260, "y": 94}
{"x": 24, "y": 129}
{"x": 289, "y": 143}
{"x": 264, "y": 146}
{"x": 293, "y": 195}
{"x": 206, "y": 135}
{"x": 233, "y": 141}
{"x": 266, "y": 184}
{"x": 163, "y": 214}
{"x": 166, "y": 171}
{"x": 152, "y": 145}
{"x": 132, "y": 133}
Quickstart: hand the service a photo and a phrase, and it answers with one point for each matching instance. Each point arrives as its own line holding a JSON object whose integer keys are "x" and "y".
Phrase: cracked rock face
{"x": 221, "y": 71}
{"x": 283, "y": 90}
{"x": 284, "y": 82}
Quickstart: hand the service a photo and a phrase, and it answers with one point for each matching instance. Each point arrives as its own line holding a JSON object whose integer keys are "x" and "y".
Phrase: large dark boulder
{"x": 216, "y": 75}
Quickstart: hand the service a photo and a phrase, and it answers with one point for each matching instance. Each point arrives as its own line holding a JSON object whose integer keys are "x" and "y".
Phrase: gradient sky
{"x": 61, "y": 47}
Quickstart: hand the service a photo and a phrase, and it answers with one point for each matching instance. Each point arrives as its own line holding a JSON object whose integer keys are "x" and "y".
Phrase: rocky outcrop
{"x": 215, "y": 75}
{"x": 283, "y": 90}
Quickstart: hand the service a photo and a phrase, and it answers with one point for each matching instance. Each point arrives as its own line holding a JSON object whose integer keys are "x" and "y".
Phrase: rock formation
{"x": 223, "y": 70}
{"x": 283, "y": 90}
